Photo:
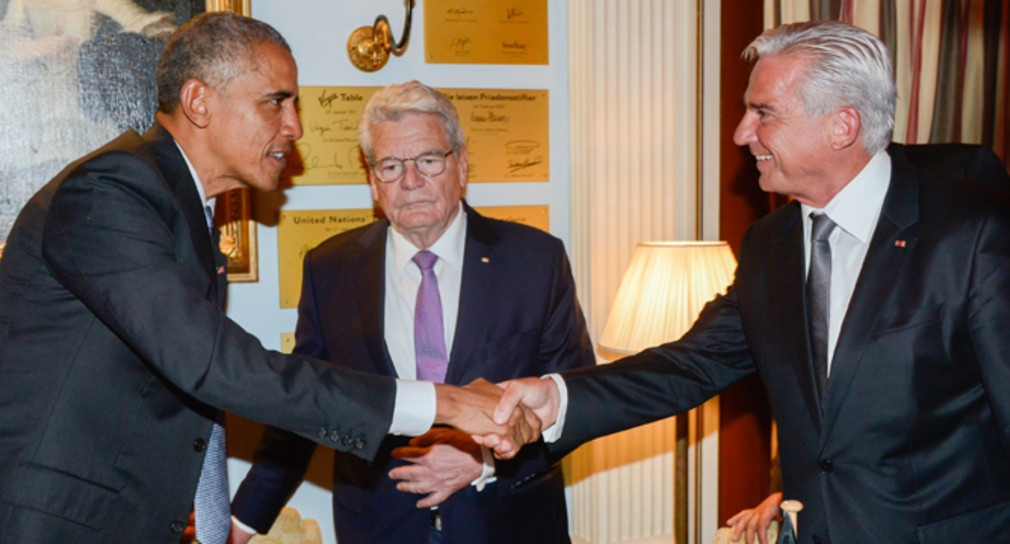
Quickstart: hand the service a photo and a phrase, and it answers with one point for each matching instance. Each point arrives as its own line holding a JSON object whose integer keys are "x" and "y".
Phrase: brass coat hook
{"x": 369, "y": 47}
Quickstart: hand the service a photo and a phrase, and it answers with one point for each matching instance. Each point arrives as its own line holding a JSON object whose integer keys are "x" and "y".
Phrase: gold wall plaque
{"x": 328, "y": 151}
{"x": 534, "y": 216}
{"x": 299, "y": 231}
{"x": 287, "y": 342}
{"x": 485, "y": 31}
{"x": 507, "y": 134}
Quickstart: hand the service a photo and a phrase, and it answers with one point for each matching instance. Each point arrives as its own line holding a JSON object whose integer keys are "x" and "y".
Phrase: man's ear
{"x": 463, "y": 165}
{"x": 193, "y": 99}
{"x": 373, "y": 184}
{"x": 845, "y": 126}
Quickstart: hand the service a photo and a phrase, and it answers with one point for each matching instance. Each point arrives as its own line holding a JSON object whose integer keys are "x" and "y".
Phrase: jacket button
{"x": 199, "y": 445}
{"x": 334, "y": 437}
{"x": 826, "y": 466}
{"x": 359, "y": 445}
{"x": 348, "y": 441}
{"x": 321, "y": 433}
{"x": 177, "y": 527}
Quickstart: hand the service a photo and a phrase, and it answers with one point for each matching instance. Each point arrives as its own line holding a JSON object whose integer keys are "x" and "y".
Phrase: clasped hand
{"x": 471, "y": 409}
{"x": 439, "y": 463}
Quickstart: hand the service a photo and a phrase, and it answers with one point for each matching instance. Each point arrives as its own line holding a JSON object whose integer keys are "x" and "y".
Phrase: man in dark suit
{"x": 968, "y": 162}
{"x": 508, "y": 309}
{"x": 115, "y": 355}
{"x": 887, "y": 363}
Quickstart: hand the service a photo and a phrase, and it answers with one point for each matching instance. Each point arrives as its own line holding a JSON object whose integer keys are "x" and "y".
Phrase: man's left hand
{"x": 443, "y": 461}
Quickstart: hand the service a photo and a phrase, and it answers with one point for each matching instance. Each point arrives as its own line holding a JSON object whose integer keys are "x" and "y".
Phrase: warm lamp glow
{"x": 662, "y": 292}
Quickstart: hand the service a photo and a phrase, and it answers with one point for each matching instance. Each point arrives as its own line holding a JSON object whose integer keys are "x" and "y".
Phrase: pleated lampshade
{"x": 662, "y": 292}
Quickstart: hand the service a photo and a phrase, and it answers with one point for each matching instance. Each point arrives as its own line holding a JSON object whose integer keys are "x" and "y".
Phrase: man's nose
{"x": 744, "y": 133}
{"x": 412, "y": 178}
{"x": 292, "y": 127}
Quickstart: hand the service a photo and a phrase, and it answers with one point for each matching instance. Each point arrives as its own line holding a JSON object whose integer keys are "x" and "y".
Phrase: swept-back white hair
{"x": 847, "y": 66}
{"x": 390, "y": 103}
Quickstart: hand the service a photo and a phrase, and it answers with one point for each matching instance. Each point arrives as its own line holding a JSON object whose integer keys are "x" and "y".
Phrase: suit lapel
{"x": 173, "y": 167}
{"x": 893, "y": 241}
{"x": 370, "y": 288}
{"x": 790, "y": 309}
{"x": 480, "y": 275}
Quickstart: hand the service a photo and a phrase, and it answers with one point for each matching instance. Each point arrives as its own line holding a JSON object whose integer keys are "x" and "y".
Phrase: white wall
{"x": 317, "y": 31}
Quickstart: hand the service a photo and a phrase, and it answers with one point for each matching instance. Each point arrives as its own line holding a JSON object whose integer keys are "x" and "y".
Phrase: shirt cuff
{"x": 414, "y": 408}
{"x": 553, "y": 433}
{"x": 487, "y": 476}
{"x": 245, "y": 528}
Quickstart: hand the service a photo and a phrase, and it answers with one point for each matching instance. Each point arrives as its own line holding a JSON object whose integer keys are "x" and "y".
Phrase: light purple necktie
{"x": 429, "y": 331}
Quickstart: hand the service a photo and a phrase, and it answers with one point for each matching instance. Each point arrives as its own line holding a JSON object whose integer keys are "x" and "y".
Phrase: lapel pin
{"x": 899, "y": 243}
{"x": 221, "y": 269}
{"x": 485, "y": 260}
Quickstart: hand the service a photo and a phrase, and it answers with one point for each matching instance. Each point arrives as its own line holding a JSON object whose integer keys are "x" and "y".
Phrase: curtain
{"x": 951, "y": 60}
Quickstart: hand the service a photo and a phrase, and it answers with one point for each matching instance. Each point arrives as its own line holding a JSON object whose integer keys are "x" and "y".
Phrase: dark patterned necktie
{"x": 211, "y": 504}
{"x": 819, "y": 295}
{"x": 429, "y": 330}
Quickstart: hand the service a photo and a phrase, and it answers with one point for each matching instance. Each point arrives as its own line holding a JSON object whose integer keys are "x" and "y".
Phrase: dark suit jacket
{"x": 115, "y": 356}
{"x": 962, "y": 161}
{"x": 911, "y": 442}
{"x": 518, "y": 317}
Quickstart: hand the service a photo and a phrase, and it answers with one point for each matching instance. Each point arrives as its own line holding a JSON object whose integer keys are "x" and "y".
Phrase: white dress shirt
{"x": 403, "y": 278}
{"x": 196, "y": 180}
{"x": 855, "y": 211}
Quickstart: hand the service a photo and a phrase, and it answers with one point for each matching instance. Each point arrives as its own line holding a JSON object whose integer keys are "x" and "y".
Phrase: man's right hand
{"x": 538, "y": 394}
{"x": 470, "y": 409}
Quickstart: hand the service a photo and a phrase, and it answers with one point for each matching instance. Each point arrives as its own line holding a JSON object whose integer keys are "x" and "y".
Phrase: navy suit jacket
{"x": 115, "y": 356}
{"x": 518, "y": 316}
{"x": 972, "y": 162}
{"x": 911, "y": 440}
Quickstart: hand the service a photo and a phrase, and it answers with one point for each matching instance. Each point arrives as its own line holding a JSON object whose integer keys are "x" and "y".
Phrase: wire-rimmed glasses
{"x": 428, "y": 164}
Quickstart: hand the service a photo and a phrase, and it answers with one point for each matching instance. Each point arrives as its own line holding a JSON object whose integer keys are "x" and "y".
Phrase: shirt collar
{"x": 196, "y": 180}
{"x": 449, "y": 247}
{"x": 856, "y": 207}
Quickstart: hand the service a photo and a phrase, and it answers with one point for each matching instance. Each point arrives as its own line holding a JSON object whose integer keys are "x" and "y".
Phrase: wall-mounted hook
{"x": 369, "y": 46}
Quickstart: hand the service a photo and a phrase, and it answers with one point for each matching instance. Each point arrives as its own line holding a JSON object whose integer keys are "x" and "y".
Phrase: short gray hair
{"x": 390, "y": 103}
{"x": 214, "y": 47}
{"x": 848, "y": 66}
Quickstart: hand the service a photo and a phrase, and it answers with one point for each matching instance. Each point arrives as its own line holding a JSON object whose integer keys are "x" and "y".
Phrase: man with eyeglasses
{"x": 445, "y": 294}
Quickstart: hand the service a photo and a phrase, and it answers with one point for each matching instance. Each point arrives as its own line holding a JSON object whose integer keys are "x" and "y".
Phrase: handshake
{"x": 503, "y": 417}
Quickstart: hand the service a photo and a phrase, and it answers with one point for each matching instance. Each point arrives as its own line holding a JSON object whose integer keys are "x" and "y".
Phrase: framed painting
{"x": 76, "y": 74}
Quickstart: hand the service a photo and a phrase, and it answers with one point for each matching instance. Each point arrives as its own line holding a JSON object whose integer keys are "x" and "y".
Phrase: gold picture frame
{"x": 234, "y": 208}
{"x": 237, "y": 6}
{"x": 101, "y": 47}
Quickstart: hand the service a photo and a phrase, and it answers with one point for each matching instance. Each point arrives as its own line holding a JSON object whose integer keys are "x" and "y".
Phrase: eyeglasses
{"x": 390, "y": 169}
